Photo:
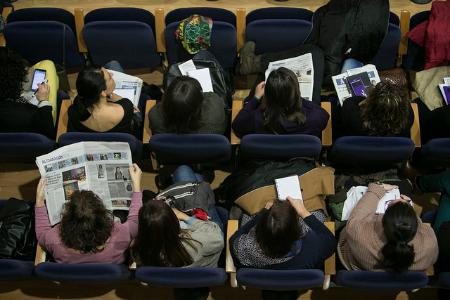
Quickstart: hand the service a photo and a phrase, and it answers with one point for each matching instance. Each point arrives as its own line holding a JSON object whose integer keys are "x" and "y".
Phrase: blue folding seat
{"x": 223, "y": 35}
{"x": 136, "y": 146}
{"x": 279, "y": 147}
{"x": 20, "y": 147}
{"x": 44, "y": 33}
{"x": 415, "y": 55}
{"x": 436, "y": 153}
{"x": 124, "y": 34}
{"x": 278, "y": 28}
{"x": 370, "y": 153}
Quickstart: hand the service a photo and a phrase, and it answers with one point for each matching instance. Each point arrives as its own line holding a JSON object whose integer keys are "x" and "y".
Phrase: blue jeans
{"x": 351, "y": 63}
{"x": 185, "y": 173}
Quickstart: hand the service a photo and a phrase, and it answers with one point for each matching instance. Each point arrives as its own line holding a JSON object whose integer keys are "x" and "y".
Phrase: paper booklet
{"x": 344, "y": 89}
{"x": 127, "y": 86}
{"x": 102, "y": 167}
{"x": 288, "y": 186}
{"x": 303, "y": 68}
{"x": 203, "y": 75}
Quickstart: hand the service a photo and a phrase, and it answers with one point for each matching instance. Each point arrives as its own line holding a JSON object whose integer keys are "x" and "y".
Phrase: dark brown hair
{"x": 277, "y": 229}
{"x": 282, "y": 100}
{"x": 13, "y": 71}
{"x": 385, "y": 112}
{"x": 86, "y": 224}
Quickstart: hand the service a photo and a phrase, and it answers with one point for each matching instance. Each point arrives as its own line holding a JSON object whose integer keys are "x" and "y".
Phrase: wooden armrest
{"x": 160, "y": 25}
{"x": 327, "y": 133}
{"x": 6, "y": 11}
{"x": 405, "y": 17}
{"x": 147, "y": 133}
{"x": 240, "y": 27}
{"x": 415, "y": 128}
{"x": 41, "y": 255}
{"x": 232, "y": 227}
{"x": 63, "y": 117}
{"x": 79, "y": 24}
{"x": 235, "y": 109}
{"x": 330, "y": 262}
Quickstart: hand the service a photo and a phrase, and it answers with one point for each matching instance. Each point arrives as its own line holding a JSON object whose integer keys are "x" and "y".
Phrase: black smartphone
{"x": 38, "y": 78}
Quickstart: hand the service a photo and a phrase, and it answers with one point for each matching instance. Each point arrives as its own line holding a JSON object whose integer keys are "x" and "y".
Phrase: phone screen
{"x": 358, "y": 87}
{"x": 38, "y": 77}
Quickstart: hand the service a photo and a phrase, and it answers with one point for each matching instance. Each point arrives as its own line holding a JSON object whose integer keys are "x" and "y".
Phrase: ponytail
{"x": 90, "y": 84}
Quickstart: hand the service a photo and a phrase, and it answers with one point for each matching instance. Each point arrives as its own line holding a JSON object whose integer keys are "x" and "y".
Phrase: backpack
{"x": 189, "y": 195}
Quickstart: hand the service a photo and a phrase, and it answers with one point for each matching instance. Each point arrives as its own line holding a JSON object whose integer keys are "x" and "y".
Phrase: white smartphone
{"x": 38, "y": 78}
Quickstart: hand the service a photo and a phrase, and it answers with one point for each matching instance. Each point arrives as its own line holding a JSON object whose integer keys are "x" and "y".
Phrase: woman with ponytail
{"x": 96, "y": 108}
{"x": 395, "y": 241}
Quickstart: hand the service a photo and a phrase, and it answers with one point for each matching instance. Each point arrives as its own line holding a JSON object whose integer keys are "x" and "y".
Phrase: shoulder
{"x": 126, "y": 104}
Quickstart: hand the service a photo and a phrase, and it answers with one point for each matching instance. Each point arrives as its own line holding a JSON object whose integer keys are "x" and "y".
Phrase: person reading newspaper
{"x": 278, "y": 108}
{"x": 87, "y": 232}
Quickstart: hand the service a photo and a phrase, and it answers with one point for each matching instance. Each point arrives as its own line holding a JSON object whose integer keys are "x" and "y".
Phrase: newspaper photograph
{"x": 101, "y": 167}
{"x": 127, "y": 86}
{"x": 303, "y": 68}
{"x": 340, "y": 82}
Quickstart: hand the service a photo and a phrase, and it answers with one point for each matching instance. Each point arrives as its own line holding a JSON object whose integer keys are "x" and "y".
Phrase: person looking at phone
{"x": 17, "y": 114}
{"x": 274, "y": 239}
{"x": 385, "y": 112}
{"x": 395, "y": 241}
{"x": 87, "y": 232}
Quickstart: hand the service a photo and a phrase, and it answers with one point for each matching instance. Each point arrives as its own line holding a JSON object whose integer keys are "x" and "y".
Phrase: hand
{"x": 43, "y": 92}
{"x": 388, "y": 187}
{"x": 114, "y": 97}
{"x": 136, "y": 174}
{"x": 259, "y": 90}
{"x": 268, "y": 205}
{"x": 180, "y": 215}
{"x": 40, "y": 193}
{"x": 299, "y": 207}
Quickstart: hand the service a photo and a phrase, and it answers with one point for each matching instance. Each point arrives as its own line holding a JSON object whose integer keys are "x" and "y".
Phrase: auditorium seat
{"x": 415, "y": 55}
{"x": 23, "y": 147}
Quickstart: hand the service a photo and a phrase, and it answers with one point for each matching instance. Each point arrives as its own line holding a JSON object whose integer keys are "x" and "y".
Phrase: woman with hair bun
{"x": 395, "y": 241}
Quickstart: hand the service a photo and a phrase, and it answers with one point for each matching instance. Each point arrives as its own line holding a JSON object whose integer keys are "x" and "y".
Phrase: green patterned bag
{"x": 194, "y": 33}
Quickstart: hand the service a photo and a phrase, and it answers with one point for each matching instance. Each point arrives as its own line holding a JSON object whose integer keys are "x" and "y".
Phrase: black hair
{"x": 13, "y": 71}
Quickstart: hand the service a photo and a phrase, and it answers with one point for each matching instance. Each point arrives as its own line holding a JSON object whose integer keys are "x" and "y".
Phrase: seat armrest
{"x": 79, "y": 24}
{"x": 327, "y": 133}
{"x": 232, "y": 227}
{"x": 330, "y": 262}
{"x": 415, "y": 128}
{"x": 235, "y": 109}
{"x": 41, "y": 255}
{"x": 63, "y": 117}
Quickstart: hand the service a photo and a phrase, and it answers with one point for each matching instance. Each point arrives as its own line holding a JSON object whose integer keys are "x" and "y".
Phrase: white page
{"x": 288, "y": 186}
{"x": 125, "y": 93}
{"x": 353, "y": 196}
{"x": 447, "y": 80}
{"x": 204, "y": 77}
{"x": 186, "y": 67}
{"x": 383, "y": 204}
{"x": 125, "y": 81}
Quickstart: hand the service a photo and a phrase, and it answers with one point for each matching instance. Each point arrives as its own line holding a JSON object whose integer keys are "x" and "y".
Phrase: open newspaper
{"x": 127, "y": 86}
{"x": 101, "y": 167}
{"x": 342, "y": 87}
{"x": 303, "y": 68}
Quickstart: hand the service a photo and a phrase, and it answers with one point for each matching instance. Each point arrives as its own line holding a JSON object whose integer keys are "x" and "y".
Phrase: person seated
{"x": 385, "y": 112}
{"x": 274, "y": 239}
{"x": 186, "y": 109}
{"x": 87, "y": 232}
{"x": 162, "y": 242}
{"x": 395, "y": 241}
{"x": 97, "y": 108}
{"x": 17, "y": 113}
{"x": 278, "y": 108}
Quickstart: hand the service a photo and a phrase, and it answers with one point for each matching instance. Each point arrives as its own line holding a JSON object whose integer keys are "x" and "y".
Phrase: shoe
{"x": 249, "y": 62}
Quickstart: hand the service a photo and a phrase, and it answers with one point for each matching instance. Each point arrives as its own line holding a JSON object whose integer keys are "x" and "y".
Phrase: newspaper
{"x": 303, "y": 68}
{"x": 102, "y": 167}
{"x": 127, "y": 86}
{"x": 340, "y": 83}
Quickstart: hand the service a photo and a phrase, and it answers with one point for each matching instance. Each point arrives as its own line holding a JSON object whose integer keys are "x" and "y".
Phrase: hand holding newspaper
{"x": 102, "y": 167}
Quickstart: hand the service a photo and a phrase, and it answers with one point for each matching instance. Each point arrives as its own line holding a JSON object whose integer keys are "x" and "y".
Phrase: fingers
{"x": 134, "y": 168}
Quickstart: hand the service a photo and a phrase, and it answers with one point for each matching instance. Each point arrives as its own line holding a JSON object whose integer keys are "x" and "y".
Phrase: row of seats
{"x": 135, "y": 37}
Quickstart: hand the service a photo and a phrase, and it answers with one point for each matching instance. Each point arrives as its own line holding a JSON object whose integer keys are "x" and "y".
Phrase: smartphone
{"x": 38, "y": 78}
{"x": 358, "y": 88}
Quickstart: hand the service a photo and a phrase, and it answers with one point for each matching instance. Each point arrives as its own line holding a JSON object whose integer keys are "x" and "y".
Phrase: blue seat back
{"x": 82, "y": 273}
{"x": 121, "y": 14}
{"x": 190, "y": 148}
{"x": 216, "y": 14}
{"x": 279, "y": 13}
{"x": 24, "y": 146}
{"x": 382, "y": 281}
{"x": 39, "y": 40}
{"x": 415, "y": 55}
{"x": 181, "y": 277}
{"x": 223, "y": 44}
{"x": 386, "y": 57}
{"x": 436, "y": 153}
{"x": 368, "y": 152}
{"x": 444, "y": 280}
{"x": 12, "y": 269}
{"x": 279, "y": 147}
{"x": 43, "y": 14}
{"x": 75, "y": 137}
{"x": 280, "y": 280}
{"x": 129, "y": 42}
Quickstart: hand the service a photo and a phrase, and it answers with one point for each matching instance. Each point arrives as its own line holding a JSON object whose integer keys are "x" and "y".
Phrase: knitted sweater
{"x": 362, "y": 239}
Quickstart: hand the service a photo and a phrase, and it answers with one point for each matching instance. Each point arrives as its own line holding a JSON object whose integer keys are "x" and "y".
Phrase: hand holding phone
{"x": 43, "y": 92}
{"x": 38, "y": 78}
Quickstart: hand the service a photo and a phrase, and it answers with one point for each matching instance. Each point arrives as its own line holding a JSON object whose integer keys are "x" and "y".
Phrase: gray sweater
{"x": 206, "y": 244}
